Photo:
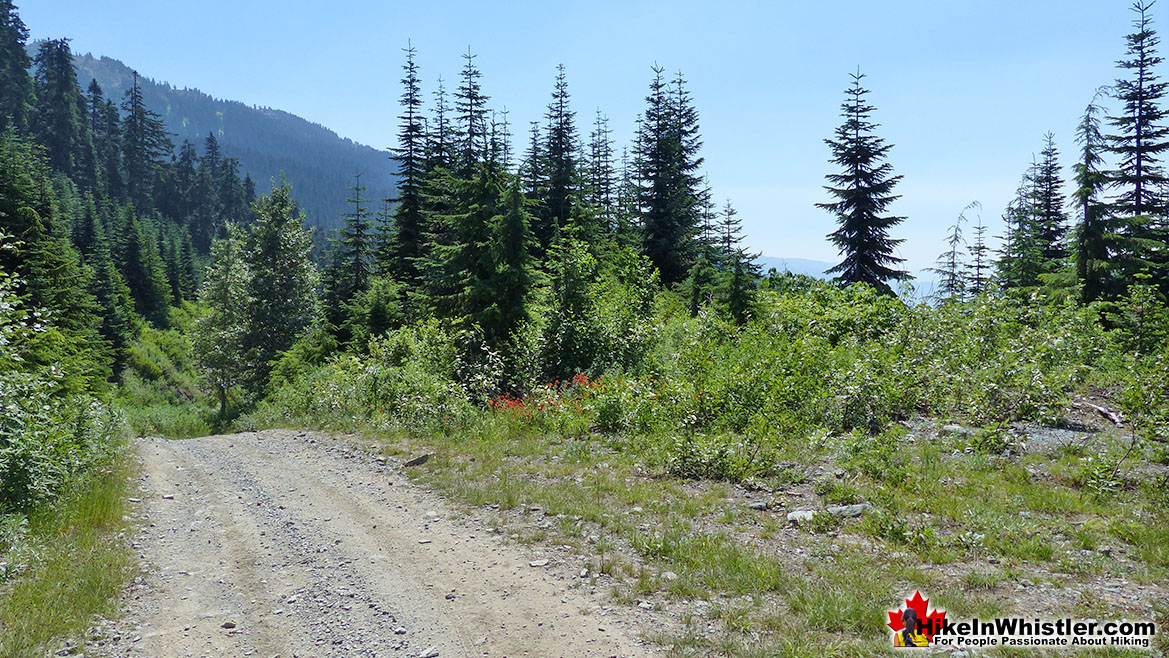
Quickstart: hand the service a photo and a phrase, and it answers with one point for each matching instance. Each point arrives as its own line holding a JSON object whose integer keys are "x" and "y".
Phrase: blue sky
{"x": 965, "y": 90}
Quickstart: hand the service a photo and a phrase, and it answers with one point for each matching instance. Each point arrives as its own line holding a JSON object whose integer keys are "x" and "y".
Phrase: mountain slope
{"x": 319, "y": 163}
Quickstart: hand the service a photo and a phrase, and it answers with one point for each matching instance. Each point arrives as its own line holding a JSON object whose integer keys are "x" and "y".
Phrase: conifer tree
{"x": 1051, "y": 221}
{"x": 144, "y": 269}
{"x": 144, "y": 141}
{"x": 352, "y": 264}
{"x": 282, "y": 283}
{"x": 601, "y": 183}
{"x": 440, "y": 139}
{"x": 462, "y": 263}
{"x": 405, "y": 246}
{"x": 950, "y": 267}
{"x": 514, "y": 271}
{"x": 560, "y": 161}
{"x": 863, "y": 192}
{"x": 16, "y": 85}
{"x": 471, "y": 107}
{"x": 534, "y": 169}
{"x": 978, "y": 266}
{"x": 1094, "y": 240}
{"x": 56, "y": 118}
{"x": 220, "y": 334}
{"x": 671, "y": 196}
{"x": 1139, "y": 141}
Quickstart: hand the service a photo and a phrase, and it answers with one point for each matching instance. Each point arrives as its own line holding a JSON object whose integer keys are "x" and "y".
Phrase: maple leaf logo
{"x": 931, "y": 620}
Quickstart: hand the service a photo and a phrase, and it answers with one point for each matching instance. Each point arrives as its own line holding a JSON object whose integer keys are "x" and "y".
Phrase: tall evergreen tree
{"x": 471, "y": 107}
{"x": 144, "y": 141}
{"x": 56, "y": 118}
{"x": 560, "y": 161}
{"x": 1140, "y": 140}
{"x": 144, "y": 269}
{"x": 978, "y": 266}
{"x": 601, "y": 177}
{"x": 220, "y": 333}
{"x": 405, "y": 247}
{"x": 1051, "y": 221}
{"x": 462, "y": 263}
{"x": 863, "y": 192}
{"x": 16, "y": 85}
{"x": 440, "y": 138}
{"x": 514, "y": 268}
{"x": 352, "y": 263}
{"x": 950, "y": 267}
{"x": 282, "y": 283}
{"x": 1093, "y": 238}
{"x": 671, "y": 194}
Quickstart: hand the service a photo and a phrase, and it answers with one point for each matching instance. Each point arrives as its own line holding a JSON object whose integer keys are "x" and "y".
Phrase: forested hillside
{"x": 267, "y": 142}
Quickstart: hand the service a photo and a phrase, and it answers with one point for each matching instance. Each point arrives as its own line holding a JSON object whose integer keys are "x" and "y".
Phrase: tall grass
{"x": 76, "y": 563}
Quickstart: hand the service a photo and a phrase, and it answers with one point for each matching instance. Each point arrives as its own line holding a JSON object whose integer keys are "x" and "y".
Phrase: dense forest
{"x": 561, "y": 282}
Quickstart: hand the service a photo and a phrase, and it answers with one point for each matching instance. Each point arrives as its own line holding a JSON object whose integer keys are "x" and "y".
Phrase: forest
{"x": 535, "y": 307}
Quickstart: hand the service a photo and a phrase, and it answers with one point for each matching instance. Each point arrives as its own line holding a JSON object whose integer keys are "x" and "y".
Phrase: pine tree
{"x": 405, "y": 247}
{"x": 56, "y": 117}
{"x": 282, "y": 283}
{"x": 16, "y": 85}
{"x": 863, "y": 192}
{"x": 1093, "y": 241}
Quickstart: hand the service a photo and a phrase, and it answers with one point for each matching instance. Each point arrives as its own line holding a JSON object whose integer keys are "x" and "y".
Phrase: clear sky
{"x": 965, "y": 90}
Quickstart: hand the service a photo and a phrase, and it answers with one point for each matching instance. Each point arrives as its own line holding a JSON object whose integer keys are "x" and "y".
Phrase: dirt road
{"x": 293, "y": 544}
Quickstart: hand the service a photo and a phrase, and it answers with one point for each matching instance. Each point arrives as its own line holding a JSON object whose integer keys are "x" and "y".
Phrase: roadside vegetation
{"x": 974, "y": 432}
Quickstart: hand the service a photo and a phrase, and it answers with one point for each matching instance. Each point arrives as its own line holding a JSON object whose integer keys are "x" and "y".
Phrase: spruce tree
{"x": 144, "y": 269}
{"x": 978, "y": 267}
{"x": 462, "y": 263}
{"x": 440, "y": 139}
{"x": 405, "y": 247}
{"x": 950, "y": 267}
{"x": 1051, "y": 221}
{"x": 863, "y": 192}
{"x": 352, "y": 255}
{"x": 16, "y": 85}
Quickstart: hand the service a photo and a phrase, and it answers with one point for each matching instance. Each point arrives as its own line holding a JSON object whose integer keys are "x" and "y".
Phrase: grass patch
{"x": 76, "y": 563}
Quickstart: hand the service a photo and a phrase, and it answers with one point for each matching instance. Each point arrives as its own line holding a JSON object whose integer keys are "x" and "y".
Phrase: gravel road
{"x": 296, "y": 544}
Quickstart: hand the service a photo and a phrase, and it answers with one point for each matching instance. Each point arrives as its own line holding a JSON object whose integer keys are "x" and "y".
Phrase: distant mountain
{"x": 319, "y": 163}
{"x": 923, "y": 280}
{"x": 806, "y": 266}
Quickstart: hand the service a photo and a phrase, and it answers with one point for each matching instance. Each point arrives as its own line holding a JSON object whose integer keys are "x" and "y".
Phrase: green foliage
{"x": 407, "y": 380}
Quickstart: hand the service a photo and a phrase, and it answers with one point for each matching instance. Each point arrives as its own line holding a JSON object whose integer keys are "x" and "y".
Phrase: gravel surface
{"x": 297, "y": 544}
